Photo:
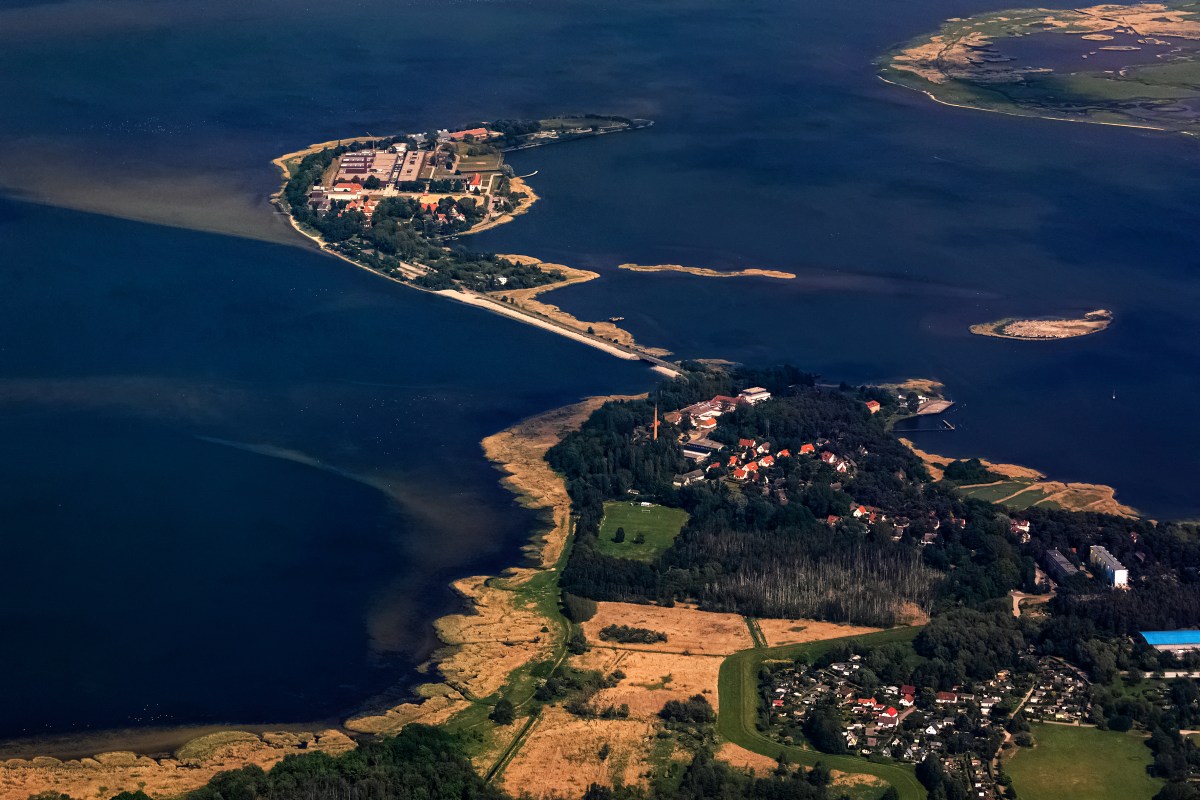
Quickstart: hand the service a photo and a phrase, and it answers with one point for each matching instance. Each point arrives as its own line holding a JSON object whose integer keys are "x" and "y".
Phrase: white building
{"x": 754, "y": 395}
{"x": 1113, "y": 570}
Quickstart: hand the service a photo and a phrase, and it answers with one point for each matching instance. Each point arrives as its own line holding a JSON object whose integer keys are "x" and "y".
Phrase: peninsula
{"x": 1129, "y": 65}
{"x": 1041, "y": 330}
{"x": 396, "y": 205}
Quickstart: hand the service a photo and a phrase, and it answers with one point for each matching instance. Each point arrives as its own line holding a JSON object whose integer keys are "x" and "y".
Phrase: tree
{"x": 619, "y": 536}
{"x": 912, "y": 402}
{"x": 503, "y": 713}
{"x": 890, "y": 794}
{"x": 639, "y": 539}
{"x": 823, "y": 728}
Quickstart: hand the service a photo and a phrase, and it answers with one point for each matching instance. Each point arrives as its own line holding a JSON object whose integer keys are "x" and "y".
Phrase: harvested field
{"x": 652, "y": 679}
{"x": 799, "y": 631}
{"x": 560, "y": 756}
{"x": 738, "y": 756}
{"x": 688, "y": 630}
{"x": 195, "y": 764}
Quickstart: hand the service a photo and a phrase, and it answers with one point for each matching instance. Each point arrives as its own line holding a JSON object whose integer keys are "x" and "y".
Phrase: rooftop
{"x": 1171, "y": 637}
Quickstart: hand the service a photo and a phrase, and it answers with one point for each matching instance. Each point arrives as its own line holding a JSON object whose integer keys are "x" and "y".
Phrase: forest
{"x": 766, "y": 554}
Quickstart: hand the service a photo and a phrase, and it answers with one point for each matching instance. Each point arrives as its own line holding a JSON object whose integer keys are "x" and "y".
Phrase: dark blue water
{"x": 139, "y": 362}
{"x": 236, "y": 477}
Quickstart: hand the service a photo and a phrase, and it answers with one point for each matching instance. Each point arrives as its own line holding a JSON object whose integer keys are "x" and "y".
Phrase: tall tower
{"x": 656, "y": 422}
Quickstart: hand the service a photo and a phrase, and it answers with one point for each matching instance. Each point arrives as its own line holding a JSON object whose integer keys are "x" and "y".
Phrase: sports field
{"x": 658, "y": 525}
{"x": 1067, "y": 761}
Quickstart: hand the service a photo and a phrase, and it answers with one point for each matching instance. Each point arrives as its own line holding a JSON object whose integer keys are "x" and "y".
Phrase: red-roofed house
{"x": 828, "y": 457}
{"x": 740, "y": 473}
{"x": 733, "y": 461}
{"x": 784, "y": 454}
{"x": 745, "y": 443}
{"x": 890, "y": 712}
{"x": 946, "y": 697}
{"x": 861, "y": 511}
{"x": 752, "y": 467}
{"x": 832, "y": 519}
{"x": 867, "y": 701}
{"x": 706, "y": 424}
{"x": 475, "y": 184}
{"x": 908, "y": 689}
{"x": 873, "y": 406}
{"x": 766, "y": 461}
{"x": 807, "y": 449}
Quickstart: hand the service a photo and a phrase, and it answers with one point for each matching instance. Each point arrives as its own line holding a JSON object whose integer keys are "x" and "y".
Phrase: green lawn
{"x": 659, "y": 524}
{"x": 1082, "y": 762}
{"x": 737, "y": 688}
{"x": 1030, "y": 497}
{"x": 990, "y": 493}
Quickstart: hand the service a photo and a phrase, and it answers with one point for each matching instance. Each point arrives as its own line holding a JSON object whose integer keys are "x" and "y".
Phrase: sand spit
{"x": 528, "y": 300}
{"x": 190, "y": 767}
{"x": 1070, "y": 496}
{"x": 1040, "y": 330}
{"x": 710, "y": 273}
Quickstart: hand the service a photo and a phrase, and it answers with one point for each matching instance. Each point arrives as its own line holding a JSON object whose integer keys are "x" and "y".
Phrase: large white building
{"x": 754, "y": 395}
{"x": 1113, "y": 570}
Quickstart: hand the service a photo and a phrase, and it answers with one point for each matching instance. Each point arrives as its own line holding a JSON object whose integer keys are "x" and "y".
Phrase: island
{"x": 1041, "y": 330}
{"x": 1132, "y": 65}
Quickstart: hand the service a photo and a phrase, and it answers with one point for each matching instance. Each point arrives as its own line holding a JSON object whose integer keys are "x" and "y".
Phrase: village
{"x": 963, "y": 728}
{"x": 757, "y": 465}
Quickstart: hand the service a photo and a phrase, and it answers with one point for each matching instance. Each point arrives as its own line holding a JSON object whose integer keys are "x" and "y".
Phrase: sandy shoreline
{"x": 1071, "y": 496}
{"x": 753, "y": 272}
{"x": 1045, "y": 330}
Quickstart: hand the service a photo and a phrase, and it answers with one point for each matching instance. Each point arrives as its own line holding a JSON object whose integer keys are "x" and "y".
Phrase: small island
{"x": 1036, "y": 330}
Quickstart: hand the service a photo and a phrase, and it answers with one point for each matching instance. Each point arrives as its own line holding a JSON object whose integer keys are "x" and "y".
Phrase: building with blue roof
{"x": 1173, "y": 641}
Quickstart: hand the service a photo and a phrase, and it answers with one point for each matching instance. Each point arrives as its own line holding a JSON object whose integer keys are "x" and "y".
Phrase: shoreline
{"x": 495, "y": 634}
{"x": 500, "y": 631}
{"x": 1024, "y": 329}
{"x": 1068, "y": 495}
{"x": 753, "y": 272}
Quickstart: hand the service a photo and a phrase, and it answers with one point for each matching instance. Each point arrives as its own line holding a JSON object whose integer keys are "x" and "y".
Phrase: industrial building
{"x": 1173, "y": 641}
